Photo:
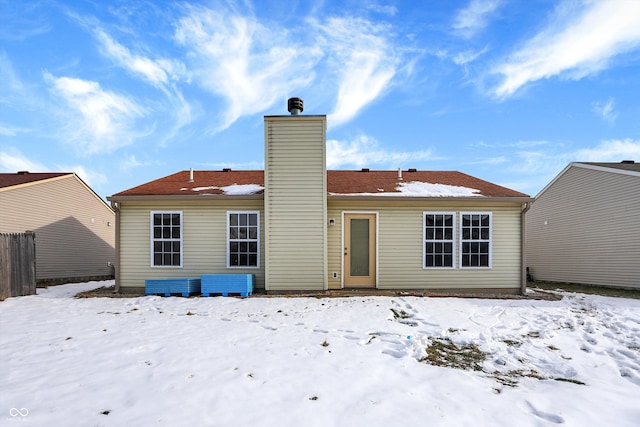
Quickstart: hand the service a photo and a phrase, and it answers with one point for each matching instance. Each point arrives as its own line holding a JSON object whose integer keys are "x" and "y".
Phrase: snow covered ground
{"x": 317, "y": 361}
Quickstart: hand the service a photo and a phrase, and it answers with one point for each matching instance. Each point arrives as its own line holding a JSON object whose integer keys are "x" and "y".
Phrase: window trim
{"x": 152, "y": 239}
{"x": 489, "y": 241}
{"x": 228, "y": 241}
{"x": 424, "y": 240}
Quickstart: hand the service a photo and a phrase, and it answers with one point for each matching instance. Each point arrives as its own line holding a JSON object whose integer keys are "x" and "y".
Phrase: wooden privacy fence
{"x": 17, "y": 264}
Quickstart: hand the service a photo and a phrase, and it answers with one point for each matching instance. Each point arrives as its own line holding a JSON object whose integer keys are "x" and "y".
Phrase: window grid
{"x": 439, "y": 232}
{"x": 166, "y": 239}
{"x": 475, "y": 240}
{"x": 243, "y": 246}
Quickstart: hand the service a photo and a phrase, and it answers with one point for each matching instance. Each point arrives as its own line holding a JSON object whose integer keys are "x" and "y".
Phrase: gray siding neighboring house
{"x": 74, "y": 227}
{"x": 584, "y": 227}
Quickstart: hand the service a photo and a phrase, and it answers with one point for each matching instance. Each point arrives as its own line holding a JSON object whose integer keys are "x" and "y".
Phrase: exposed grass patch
{"x": 510, "y": 378}
{"x": 400, "y": 314}
{"x": 512, "y": 343}
{"x": 444, "y": 352}
{"x": 570, "y": 380}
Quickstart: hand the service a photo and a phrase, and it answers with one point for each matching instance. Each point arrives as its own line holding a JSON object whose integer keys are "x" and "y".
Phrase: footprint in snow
{"x": 590, "y": 340}
{"x": 553, "y": 418}
{"x": 584, "y": 348}
{"x": 398, "y": 354}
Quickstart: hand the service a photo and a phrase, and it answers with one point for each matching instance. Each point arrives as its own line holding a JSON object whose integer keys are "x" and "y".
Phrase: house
{"x": 584, "y": 226}
{"x": 74, "y": 227}
{"x": 298, "y": 227}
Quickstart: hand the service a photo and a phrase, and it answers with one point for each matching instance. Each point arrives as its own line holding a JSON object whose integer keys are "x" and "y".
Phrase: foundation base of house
{"x": 444, "y": 292}
{"x": 485, "y": 293}
{"x": 43, "y": 283}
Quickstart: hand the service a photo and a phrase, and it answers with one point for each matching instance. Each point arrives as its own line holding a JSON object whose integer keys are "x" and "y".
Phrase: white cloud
{"x": 98, "y": 120}
{"x": 157, "y": 72}
{"x": 472, "y": 19}
{"x": 91, "y": 178}
{"x": 614, "y": 150}
{"x": 546, "y": 164}
{"x": 254, "y": 65}
{"x": 161, "y": 73}
{"x": 463, "y": 58}
{"x": 131, "y": 162}
{"x": 9, "y": 81}
{"x": 249, "y": 64}
{"x": 383, "y": 9}
{"x": 364, "y": 61}
{"x": 364, "y": 151}
{"x": 490, "y": 161}
{"x": 13, "y": 161}
{"x": 605, "y": 110}
{"x": 7, "y": 130}
{"x": 579, "y": 41}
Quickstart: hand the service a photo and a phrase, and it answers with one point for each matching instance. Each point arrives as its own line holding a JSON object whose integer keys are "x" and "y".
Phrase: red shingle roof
{"x": 339, "y": 182}
{"x": 380, "y": 182}
{"x": 11, "y": 179}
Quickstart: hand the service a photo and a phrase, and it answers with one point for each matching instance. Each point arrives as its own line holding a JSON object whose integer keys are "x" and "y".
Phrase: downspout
{"x": 523, "y": 255}
{"x": 116, "y": 268}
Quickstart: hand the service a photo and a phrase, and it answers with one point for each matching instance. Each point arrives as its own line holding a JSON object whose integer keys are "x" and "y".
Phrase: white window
{"x": 439, "y": 239}
{"x": 475, "y": 240}
{"x": 243, "y": 239}
{"x": 166, "y": 239}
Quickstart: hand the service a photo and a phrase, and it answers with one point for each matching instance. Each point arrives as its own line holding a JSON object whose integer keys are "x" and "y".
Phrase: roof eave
{"x": 181, "y": 197}
{"x": 479, "y": 199}
{"x": 337, "y": 197}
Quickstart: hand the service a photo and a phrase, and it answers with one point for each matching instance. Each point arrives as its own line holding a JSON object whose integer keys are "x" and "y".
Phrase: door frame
{"x": 342, "y": 242}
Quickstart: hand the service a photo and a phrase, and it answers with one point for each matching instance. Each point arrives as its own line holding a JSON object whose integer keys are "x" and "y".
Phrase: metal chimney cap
{"x": 295, "y": 106}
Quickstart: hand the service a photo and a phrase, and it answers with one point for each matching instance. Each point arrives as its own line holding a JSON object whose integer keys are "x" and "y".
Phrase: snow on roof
{"x": 339, "y": 183}
{"x": 230, "y": 190}
{"x": 242, "y": 189}
{"x": 424, "y": 189}
{"x": 211, "y": 187}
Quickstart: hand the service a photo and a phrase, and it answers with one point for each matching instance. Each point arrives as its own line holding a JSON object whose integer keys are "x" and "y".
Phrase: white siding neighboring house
{"x": 299, "y": 227}
{"x": 74, "y": 228}
{"x": 584, "y": 227}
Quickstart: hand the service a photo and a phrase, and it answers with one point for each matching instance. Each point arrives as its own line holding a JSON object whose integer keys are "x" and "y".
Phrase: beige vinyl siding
{"x": 204, "y": 240}
{"x": 75, "y": 230}
{"x": 401, "y": 247}
{"x": 592, "y": 235}
{"x": 295, "y": 203}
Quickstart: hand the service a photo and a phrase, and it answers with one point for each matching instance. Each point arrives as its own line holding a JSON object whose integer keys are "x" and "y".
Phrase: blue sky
{"x": 124, "y": 92}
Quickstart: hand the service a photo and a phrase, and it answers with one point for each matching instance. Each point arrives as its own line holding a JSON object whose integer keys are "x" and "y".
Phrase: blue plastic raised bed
{"x": 166, "y": 287}
{"x": 226, "y": 284}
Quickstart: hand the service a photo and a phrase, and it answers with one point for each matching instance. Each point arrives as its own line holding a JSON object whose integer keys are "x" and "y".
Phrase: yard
{"x": 374, "y": 361}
